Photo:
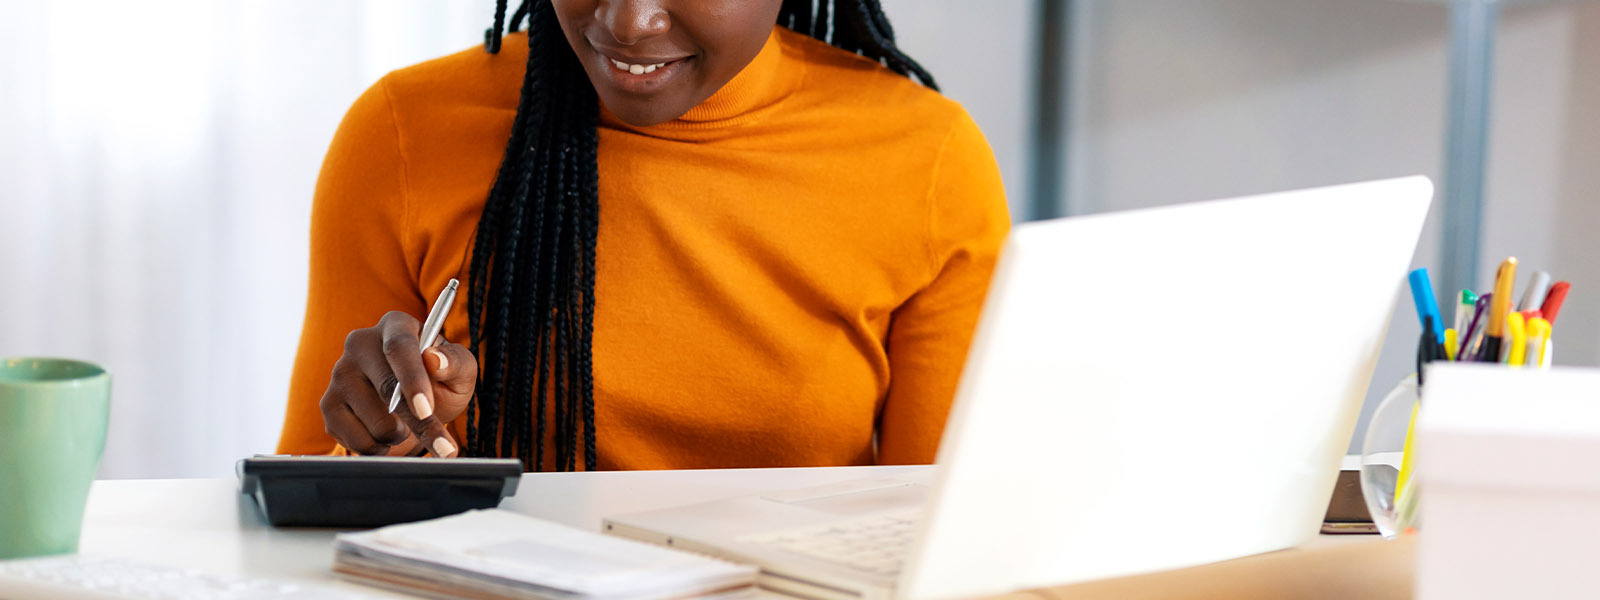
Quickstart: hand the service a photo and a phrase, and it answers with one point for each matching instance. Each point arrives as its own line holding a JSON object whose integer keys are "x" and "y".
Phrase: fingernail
{"x": 443, "y": 447}
{"x": 420, "y": 406}
{"x": 443, "y": 362}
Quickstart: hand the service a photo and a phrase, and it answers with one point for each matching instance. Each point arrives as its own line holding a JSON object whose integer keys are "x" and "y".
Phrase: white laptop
{"x": 1146, "y": 390}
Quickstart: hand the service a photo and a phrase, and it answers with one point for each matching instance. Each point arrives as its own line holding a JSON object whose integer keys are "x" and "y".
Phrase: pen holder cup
{"x": 1388, "y": 480}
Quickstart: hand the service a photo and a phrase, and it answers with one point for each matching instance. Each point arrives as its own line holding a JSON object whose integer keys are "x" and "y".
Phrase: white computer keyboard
{"x": 73, "y": 577}
{"x": 876, "y": 544}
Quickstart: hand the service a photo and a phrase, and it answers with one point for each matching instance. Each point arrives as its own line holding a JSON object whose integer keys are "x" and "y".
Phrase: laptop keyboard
{"x": 877, "y": 544}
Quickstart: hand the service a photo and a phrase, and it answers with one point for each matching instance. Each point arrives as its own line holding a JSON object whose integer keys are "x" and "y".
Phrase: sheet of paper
{"x": 521, "y": 548}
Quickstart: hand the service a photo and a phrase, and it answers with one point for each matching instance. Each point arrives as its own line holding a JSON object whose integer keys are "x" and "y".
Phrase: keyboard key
{"x": 877, "y": 544}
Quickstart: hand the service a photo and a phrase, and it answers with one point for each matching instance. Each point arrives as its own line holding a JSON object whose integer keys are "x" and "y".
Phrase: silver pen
{"x": 430, "y": 330}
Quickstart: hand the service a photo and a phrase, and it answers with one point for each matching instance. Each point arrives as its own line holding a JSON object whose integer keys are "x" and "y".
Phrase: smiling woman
{"x": 795, "y": 243}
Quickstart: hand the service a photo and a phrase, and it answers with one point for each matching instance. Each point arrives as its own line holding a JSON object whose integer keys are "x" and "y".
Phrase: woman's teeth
{"x": 637, "y": 69}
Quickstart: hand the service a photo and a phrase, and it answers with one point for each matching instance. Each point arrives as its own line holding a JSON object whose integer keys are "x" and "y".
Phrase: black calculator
{"x": 372, "y": 491}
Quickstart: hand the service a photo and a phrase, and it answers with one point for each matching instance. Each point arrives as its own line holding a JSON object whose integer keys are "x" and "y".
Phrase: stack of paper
{"x": 500, "y": 554}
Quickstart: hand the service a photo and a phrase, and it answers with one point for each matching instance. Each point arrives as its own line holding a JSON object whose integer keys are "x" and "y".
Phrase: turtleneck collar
{"x": 749, "y": 97}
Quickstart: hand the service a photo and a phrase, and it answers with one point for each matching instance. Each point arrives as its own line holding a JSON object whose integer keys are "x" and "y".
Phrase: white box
{"x": 1509, "y": 467}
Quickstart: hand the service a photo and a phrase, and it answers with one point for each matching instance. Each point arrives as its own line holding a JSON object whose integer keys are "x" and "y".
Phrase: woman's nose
{"x": 632, "y": 21}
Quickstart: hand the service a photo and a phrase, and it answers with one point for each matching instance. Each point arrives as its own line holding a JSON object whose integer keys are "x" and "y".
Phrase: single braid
{"x": 523, "y": 314}
{"x": 561, "y": 340}
{"x": 883, "y": 38}
{"x": 553, "y": 321}
{"x": 517, "y": 18}
{"x": 491, "y": 36}
{"x": 591, "y": 229}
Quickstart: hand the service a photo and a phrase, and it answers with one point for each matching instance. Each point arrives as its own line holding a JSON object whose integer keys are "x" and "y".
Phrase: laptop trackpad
{"x": 868, "y": 501}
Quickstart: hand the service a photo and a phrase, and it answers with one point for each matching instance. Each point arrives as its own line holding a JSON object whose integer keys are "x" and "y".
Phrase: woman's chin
{"x": 643, "y": 114}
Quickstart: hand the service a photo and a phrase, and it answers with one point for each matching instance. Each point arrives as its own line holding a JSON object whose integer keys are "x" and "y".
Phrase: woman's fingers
{"x": 387, "y": 357}
{"x": 365, "y": 402}
{"x": 354, "y": 415}
{"x": 350, "y": 432}
{"x": 452, "y": 367}
{"x": 402, "y": 352}
{"x": 359, "y": 418}
{"x": 371, "y": 351}
{"x": 444, "y": 363}
{"x": 431, "y": 434}
{"x": 403, "y": 365}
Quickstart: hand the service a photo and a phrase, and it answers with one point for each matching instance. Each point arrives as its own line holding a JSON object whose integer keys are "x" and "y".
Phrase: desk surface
{"x": 206, "y": 524}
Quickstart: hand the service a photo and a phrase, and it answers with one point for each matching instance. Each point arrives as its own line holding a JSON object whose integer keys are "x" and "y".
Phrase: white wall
{"x": 1182, "y": 101}
{"x": 982, "y": 54}
{"x": 1544, "y": 173}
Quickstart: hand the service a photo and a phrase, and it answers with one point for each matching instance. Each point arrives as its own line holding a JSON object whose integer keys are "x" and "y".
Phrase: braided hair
{"x": 530, "y": 295}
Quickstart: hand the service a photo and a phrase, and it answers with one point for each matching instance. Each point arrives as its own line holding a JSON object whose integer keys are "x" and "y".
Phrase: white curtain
{"x": 157, "y": 160}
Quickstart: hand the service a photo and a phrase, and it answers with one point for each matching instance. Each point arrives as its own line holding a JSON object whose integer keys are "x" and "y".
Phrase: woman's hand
{"x": 434, "y": 386}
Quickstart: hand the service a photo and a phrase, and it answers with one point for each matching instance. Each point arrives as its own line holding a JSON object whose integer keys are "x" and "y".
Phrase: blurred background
{"x": 157, "y": 158}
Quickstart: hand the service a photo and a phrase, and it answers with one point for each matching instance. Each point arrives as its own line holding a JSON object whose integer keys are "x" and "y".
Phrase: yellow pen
{"x": 1450, "y": 344}
{"x": 1538, "y": 334}
{"x": 1406, "y": 454}
{"x": 1499, "y": 307}
{"x": 1517, "y": 337}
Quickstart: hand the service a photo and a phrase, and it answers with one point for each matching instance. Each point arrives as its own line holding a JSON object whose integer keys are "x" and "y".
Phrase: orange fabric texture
{"x": 792, "y": 267}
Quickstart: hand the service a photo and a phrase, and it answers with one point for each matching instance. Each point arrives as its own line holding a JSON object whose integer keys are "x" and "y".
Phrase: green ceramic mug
{"x": 53, "y": 415}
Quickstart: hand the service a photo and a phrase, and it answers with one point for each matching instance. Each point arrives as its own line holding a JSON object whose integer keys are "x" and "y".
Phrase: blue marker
{"x": 1427, "y": 308}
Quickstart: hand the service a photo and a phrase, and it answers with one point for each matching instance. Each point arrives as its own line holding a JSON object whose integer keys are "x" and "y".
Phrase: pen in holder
{"x": 1387, "y": 482}
{"x": 1488, "y": 329}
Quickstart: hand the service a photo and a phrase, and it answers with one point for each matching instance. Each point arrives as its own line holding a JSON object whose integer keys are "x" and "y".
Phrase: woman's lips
{"x": 637, "y": 69}
{"x": 640, "y": 77}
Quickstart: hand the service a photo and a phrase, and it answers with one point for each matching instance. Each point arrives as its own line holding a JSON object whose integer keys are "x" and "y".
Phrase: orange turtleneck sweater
{"x": 791, "y": 267}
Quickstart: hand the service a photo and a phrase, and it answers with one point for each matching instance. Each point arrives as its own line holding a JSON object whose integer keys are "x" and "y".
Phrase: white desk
{"x": 206, "y": 524}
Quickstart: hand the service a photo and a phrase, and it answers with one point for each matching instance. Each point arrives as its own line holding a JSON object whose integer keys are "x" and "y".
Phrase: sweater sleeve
{"x": 930, "y": 332}
{"x": 361, "y": 263}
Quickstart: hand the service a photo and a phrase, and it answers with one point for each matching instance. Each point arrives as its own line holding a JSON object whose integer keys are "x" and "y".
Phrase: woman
{"x": 708, "y": 241}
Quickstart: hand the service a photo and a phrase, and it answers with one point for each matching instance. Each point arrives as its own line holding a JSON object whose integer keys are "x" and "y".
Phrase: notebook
{"x": 495, "y": 554}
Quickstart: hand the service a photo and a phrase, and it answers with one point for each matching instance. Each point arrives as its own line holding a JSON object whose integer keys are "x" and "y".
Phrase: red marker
{"x": 1552, "y": 301}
